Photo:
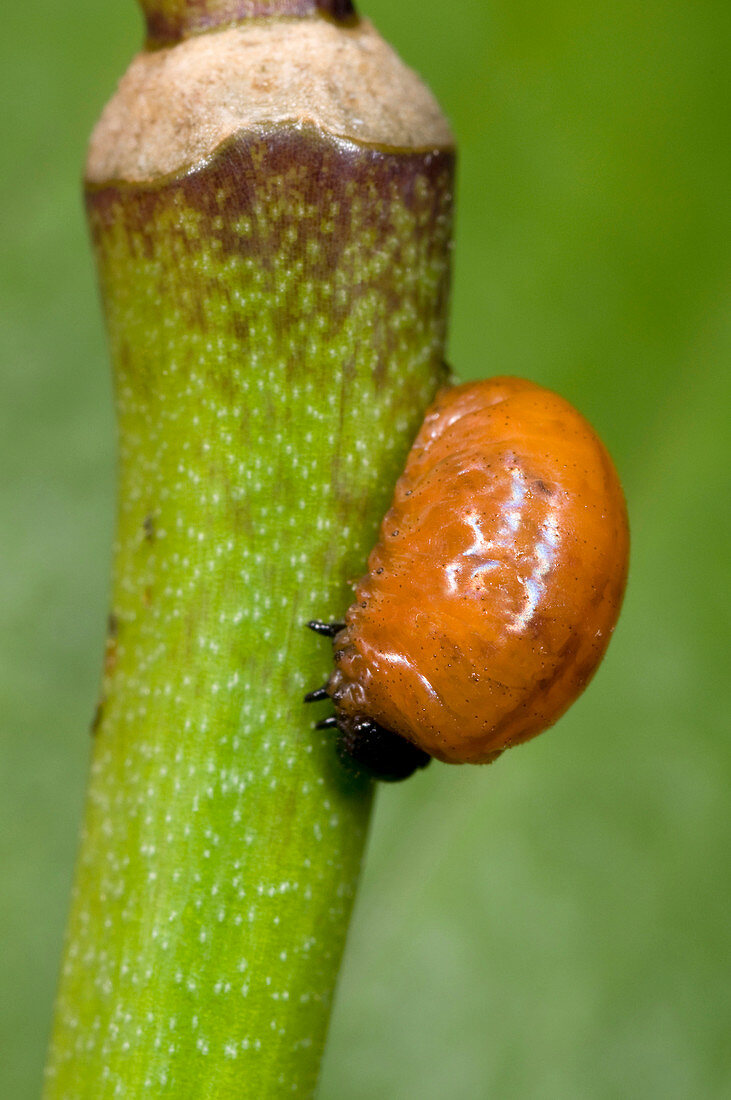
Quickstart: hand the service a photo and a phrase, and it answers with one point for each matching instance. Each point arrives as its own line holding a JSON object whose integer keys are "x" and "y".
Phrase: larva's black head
{"x": 362, "y": 745}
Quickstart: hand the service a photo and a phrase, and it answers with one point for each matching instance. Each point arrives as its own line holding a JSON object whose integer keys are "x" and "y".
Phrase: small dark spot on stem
{"x": 97, "y": 719}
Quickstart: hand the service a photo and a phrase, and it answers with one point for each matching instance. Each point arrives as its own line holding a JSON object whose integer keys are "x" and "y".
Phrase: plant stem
{"x": 276, "y": 310}
{"x": 171, "y": 20}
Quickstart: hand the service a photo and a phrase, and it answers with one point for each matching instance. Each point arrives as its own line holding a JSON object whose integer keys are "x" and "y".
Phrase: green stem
{"x": 277, "y": 318}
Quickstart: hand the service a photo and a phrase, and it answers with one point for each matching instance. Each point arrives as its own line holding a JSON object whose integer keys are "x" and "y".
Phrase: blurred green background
{"x": 558, "y": 925}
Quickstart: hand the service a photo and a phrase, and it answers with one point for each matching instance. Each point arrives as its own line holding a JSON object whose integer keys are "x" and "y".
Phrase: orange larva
{"x": 493, "y": 591}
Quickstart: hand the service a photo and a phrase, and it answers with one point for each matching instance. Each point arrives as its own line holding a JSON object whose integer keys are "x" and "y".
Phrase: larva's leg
{"x": 328, "y": 630}
{"x": 316, "y": 695}
{"x": 327, "y": 723}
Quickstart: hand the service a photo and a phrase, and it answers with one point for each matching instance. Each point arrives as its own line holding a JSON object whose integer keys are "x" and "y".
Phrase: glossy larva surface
{"x": 497, "y": 580}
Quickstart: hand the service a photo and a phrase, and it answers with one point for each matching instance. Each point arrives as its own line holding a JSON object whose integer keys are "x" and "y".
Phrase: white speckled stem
{"x": 277, "y": 323}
